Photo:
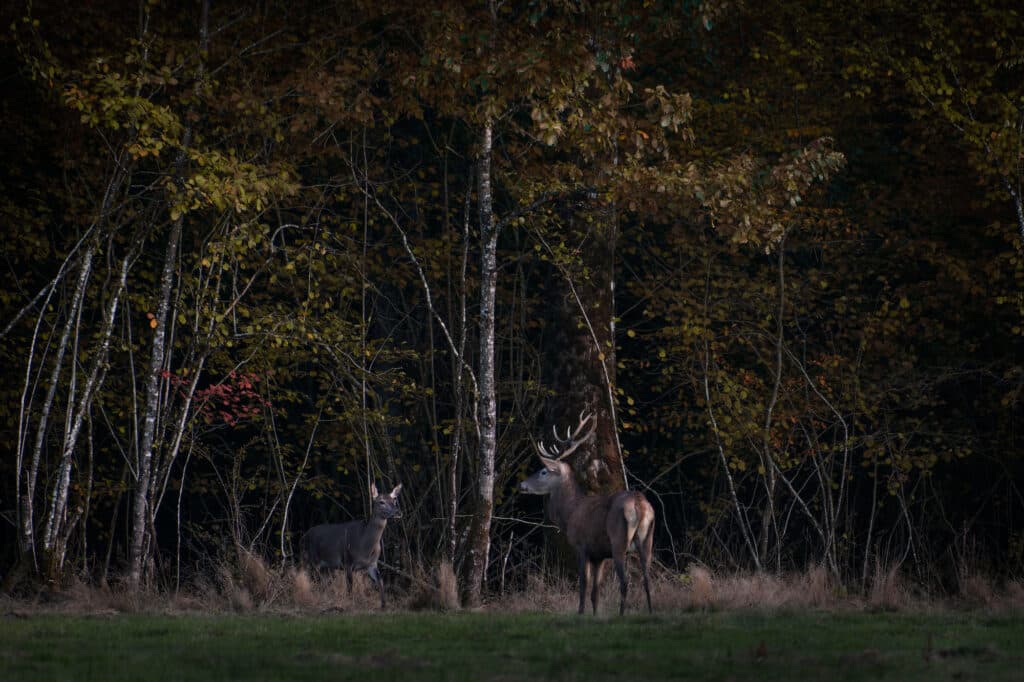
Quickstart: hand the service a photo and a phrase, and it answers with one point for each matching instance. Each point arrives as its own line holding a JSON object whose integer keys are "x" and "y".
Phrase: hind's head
{"x": 385, "y": 506}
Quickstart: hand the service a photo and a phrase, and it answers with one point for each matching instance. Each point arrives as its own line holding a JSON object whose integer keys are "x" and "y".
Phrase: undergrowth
{"x": 247, "y": 583}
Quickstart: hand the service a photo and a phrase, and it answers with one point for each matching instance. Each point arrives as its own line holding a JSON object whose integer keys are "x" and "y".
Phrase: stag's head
{"x": 385, "y": 506}
{"x": 549, "y": 477}
{"x": 556, "y": 470}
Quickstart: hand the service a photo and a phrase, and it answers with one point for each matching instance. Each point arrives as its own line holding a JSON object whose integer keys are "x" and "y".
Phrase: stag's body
{"x": 598, "y": 527}
{"x": 353, "y": 546}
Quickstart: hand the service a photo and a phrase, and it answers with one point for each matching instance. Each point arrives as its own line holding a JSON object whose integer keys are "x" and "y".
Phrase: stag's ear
{"x": 373, "y": 491}
{"x": 398, "y": 489}
{"x": 550, "y": 464}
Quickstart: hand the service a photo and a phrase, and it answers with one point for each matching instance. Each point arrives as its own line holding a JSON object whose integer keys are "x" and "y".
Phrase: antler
{"x": 572, "y": 438}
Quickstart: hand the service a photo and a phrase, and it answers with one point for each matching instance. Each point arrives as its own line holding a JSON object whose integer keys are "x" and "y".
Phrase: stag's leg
{"x": 584, "y": 566}
{"x": 375, "y": 577}
{"x": 598, "y": 574}
{"x": 647, "y": 586}
{"x": 620, "y": 570}
{"x": 646, "y": 551}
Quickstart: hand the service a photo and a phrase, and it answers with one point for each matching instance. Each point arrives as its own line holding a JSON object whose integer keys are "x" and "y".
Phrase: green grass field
{"x": 490, "y": 646}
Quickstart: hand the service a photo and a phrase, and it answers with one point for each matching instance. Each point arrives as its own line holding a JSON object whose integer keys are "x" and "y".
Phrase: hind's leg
{"x": 374, "y": 574}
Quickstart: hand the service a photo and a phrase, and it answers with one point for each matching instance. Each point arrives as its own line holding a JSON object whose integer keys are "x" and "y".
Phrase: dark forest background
{"x": 256, "y": 255}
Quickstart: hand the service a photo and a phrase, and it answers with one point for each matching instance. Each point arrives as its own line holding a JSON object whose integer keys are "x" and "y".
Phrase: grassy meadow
{"x": 491, "y": 645}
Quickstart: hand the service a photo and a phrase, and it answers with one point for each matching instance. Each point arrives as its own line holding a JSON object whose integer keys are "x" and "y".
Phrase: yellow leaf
{"x": 152, "y": 323}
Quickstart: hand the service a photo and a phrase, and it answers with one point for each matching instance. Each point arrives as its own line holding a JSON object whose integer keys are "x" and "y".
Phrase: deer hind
{"x": 599, "y": 527}
{"x": 354, "y": 546}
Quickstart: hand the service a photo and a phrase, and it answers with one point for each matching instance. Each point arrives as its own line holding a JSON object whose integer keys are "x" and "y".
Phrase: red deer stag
{"x": 599, "y": 527}
{"x": 354, "y": 546}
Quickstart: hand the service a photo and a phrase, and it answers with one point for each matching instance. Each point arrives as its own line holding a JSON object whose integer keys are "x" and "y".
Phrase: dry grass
{"x": 541, "y": 594}
{"x": 447, "y": 586}
{"x": 249, "y": 584}
{"x": 438, "y": 591}
{"x": 246, "y": 583}
{"x": 978, "y": 591}
{"x": 700, "y": 589}
{"x": 78, "y": 597}
{"x": 888, "y": 590}
{"x": 1015, "y": 595}
{"x": 243, "y": 583}
{"x": 303, "y": 593}
{"x": 702, "y": 586}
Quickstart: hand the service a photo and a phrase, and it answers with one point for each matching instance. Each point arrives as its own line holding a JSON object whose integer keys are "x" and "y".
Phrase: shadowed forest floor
{"x": 738, "y": 645}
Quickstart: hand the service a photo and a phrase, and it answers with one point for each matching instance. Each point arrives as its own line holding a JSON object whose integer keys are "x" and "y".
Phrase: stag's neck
{"x": 563, "y": 500}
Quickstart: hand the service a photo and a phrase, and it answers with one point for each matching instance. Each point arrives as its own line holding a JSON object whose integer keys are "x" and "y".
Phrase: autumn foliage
{"x": 778, "y": 250}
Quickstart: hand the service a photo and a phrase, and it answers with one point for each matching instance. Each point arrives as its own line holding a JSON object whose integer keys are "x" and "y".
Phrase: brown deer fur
{"x": 598, "y": 527}
{"x": 353, "y": 546}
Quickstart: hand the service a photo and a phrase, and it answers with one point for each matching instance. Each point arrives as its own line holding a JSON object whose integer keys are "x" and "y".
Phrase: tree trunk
{"x": 581, "y": 358}
{"x": 28, "y": 497}
{"x": 140, "y": 512}
{"x": 97, "y": 375}
{"x": 768, "y": 520}
{"x": 459, "y": 372}
{"x": 480, "y": 532}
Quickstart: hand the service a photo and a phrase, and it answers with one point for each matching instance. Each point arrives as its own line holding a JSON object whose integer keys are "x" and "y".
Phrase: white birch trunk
{"x": 140, "y": 510}
{"x": 480, "y": 535}
{"x": 59, "y": 500}
{"x": 137, "y": 551}
{"x": 31, "y": 478}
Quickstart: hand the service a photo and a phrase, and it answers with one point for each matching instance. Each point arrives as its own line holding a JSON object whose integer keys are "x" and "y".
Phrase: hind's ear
{"x": 398, "y": 489}
{"x": 373, "y": 491}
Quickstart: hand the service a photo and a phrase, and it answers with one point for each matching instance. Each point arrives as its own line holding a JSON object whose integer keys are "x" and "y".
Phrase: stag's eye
{"x": 544, "y": 472}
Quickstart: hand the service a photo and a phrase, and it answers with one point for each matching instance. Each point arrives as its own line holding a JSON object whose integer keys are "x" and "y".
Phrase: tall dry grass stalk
{"x": 888, "y": 590}
{"x": 977, "y": 590}
{"x": 702, "y": 586}
{"x": 447, "y": 586}
{"x": 302, "y": 588}
{"x": 438, "y": 591}
{"x": 256, "y": 577}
